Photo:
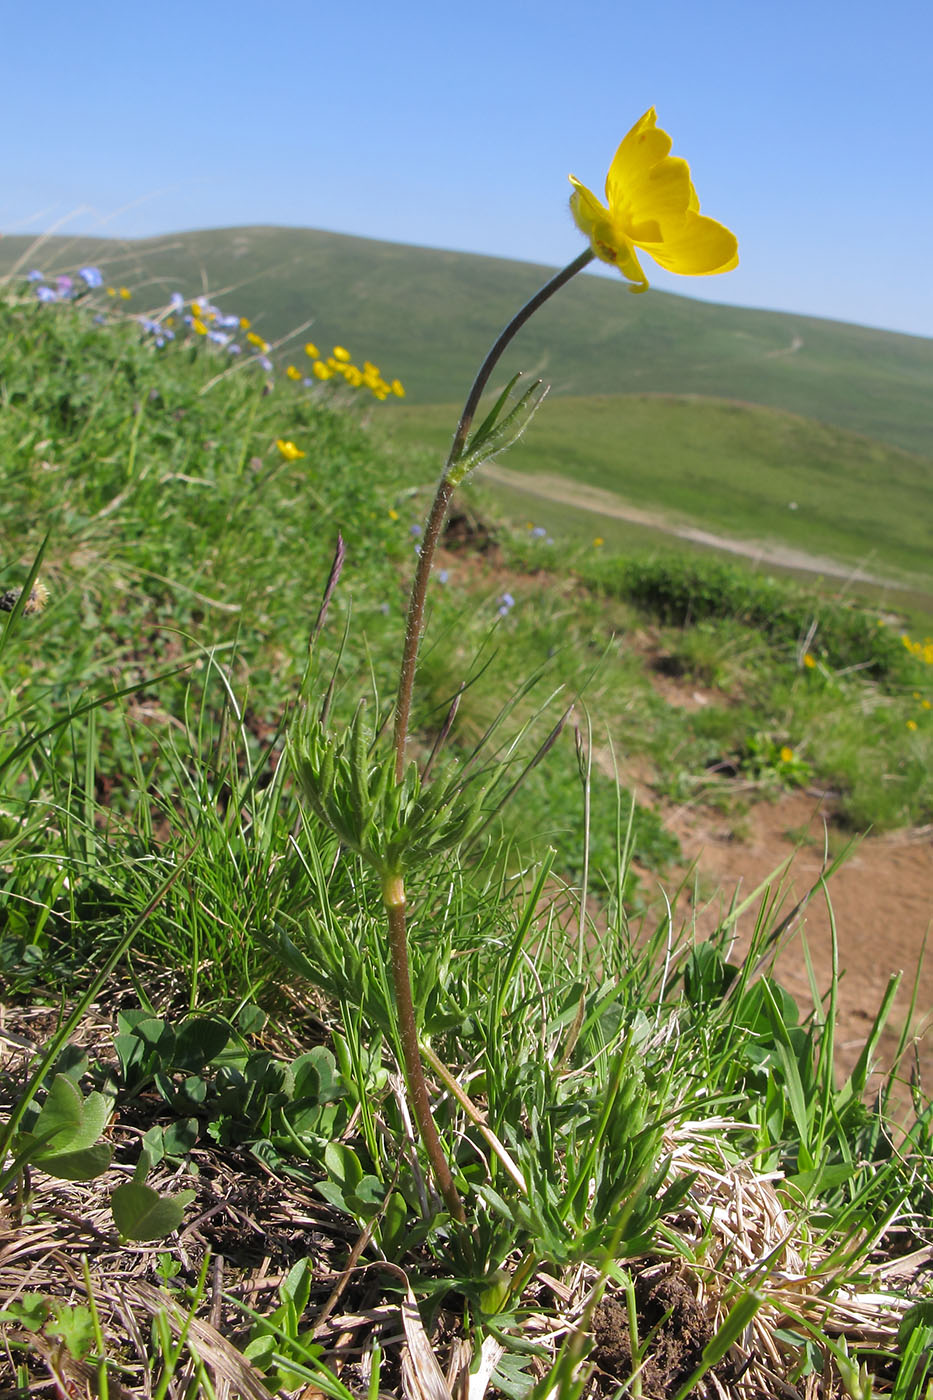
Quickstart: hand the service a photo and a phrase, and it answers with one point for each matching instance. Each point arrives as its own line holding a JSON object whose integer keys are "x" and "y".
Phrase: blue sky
{"x": 808, "y": 125}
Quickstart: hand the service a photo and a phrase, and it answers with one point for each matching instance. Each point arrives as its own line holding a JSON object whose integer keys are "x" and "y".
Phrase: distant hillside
{"x": 747, "y": 472}
{"x": 428, "y": 317}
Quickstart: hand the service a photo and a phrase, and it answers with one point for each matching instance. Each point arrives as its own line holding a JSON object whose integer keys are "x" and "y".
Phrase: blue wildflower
{"x": 176, "y": 301}
{"x": 35, "y": 276}
{"x": 234, "y": 350}
{"x": 93, "y": 276}
{"x": 46, "y": 294}
{"x": 414, "y": 530}
{"x": 538, "y": 533}
{"x": 266, "y": 363}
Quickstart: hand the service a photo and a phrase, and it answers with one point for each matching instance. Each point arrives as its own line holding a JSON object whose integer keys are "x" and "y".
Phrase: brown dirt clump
{"x": 667, "y": 1308}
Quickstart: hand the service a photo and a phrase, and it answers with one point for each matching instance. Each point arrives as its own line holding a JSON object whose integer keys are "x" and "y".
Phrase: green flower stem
{"x": 393, "y": 896}
{"x": 445, "y": 490}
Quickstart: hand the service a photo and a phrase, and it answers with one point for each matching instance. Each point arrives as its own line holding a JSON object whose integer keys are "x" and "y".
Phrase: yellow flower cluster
{"x": 923, "y": 651}
{"x": 339, "y": 363}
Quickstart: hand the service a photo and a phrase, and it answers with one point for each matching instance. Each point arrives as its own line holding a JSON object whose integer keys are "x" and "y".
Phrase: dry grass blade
{"x": 214, "y": 1350}
{"x": 422, "y": 1377}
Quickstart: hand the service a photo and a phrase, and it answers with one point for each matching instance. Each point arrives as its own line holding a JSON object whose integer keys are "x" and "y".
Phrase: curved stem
{"x": 445, "y": 490}
{"x": 393, "y": 895}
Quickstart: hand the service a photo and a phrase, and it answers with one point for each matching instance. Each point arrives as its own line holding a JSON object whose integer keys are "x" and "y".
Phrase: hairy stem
{"x": 393, "y": 894}
{"x": 445, "y": 490}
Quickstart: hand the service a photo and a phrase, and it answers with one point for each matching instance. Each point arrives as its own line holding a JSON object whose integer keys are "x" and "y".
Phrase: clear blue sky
{"x": 808, "y": 125}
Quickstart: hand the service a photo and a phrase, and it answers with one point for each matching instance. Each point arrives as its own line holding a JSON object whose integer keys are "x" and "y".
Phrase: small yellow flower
{"x": 653, "y": 206}
{"x": 312, "y": 350}
{"x": 911, "y": 724}
{"x": 198, "y": 326}
{"x": 245, "y": 323}
{"x": 341, "y": 354}
{"x": 397, "y": 389}
{"x": 293, "y": 372}
{"x": 258, "y": 341}
{"x": 125, "y": 293}
{"x": 809, "y": 660}
{"x": 353, "y": 376}
{"x": 289, "y": 451}
{"x": 786, "y": 754}
{"x": 196, "y": 308}
{"x": 111, "y": 291}
{"x": 598, "y": 542}
{"x": 321, "y": 370}
{"x": 926, "y": 705}
{"x": 393, "y": 513}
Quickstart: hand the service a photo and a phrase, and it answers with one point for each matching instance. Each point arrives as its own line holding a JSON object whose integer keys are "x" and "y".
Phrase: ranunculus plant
{"x": 377, "y": 802}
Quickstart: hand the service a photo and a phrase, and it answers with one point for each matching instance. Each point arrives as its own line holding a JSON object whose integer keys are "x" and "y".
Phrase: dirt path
{"x": 882, "y": 903}
{"x": 607, "y": 504}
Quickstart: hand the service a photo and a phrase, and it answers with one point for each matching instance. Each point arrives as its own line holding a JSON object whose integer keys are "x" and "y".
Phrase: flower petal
{"x": 607, "y": 237}
{"x": 697, "y": 248}
{"x": 642, "y": 148}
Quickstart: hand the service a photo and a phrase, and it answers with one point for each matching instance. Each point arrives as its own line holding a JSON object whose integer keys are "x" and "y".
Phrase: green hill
{"x": 748, "y": 472}
{"x": 428, "y": 317}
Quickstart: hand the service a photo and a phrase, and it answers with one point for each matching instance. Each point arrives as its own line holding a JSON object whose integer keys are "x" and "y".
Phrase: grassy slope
{"x": 730, "y": 467}
{"x": 397, "y": 304}
{"x": 180, "y": 538}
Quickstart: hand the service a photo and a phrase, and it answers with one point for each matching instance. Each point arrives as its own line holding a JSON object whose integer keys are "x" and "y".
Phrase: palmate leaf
{"x": 65, "y": 1137}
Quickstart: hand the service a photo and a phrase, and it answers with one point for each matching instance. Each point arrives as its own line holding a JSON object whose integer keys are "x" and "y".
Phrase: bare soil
{"x": 881, "y": 902}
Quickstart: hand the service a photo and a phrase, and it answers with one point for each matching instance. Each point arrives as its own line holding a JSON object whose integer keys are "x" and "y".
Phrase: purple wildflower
{"x": 234, "y": 350}
{"x": 538, "y": 532}
{"x": 46, "y": 294}
{"x": 64, "y": 285}
{"x": 266, "y": 363}
{"x": 414, "y": 530}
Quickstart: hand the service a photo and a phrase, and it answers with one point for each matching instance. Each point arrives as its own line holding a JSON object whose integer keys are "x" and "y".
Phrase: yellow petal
{"x": 607, "y": 238}
{"x": 696, "y": 248}
{"x": 644, "y": 146}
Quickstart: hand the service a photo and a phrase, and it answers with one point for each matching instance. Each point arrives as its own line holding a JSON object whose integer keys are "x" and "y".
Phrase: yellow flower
{"x": 926, "y": 705}
{"x": 321, "y": 370}
{"x": 111, "y": 291}
{"x": 911, "y": 724}
{"x": 125, "y": 293}
{"x": 393, "y": 513}
{"x": 809, "y": 660}
{"x": 652, "y": 205}
{"x": 245, "y": 323}
{"x": 293, "y": 372}
{"x": 341, "y": 354}
{"x": 289, "y": 451}
{"x": 598, "y": 542}
{"x": 786, "y": 754}
{"x": 258, "y": 341}
{"x": 198, "y": 326}
{"x": 312, "y": 350}
{"x": 397, "y": 389}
